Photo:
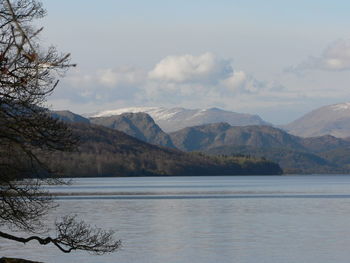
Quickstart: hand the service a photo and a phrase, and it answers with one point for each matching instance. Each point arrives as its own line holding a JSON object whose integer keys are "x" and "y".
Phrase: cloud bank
{"x": 336, "y": 57}
{"x": 184, "y": 80}
{"x": 188, "y": 68}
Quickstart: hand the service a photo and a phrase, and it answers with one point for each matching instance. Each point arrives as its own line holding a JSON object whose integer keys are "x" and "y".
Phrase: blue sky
{"x": 279, "y": 59}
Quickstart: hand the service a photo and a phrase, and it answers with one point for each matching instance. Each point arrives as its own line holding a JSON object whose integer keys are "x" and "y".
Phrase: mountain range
{"x": 173, "y": 119}
{"x": 328, "y": 120}
{"x": 289, "y": 145}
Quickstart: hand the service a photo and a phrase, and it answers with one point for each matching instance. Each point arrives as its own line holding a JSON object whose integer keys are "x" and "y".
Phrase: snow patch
{"x": 341, "y": 107}
{"x": 157, "y": 113}
{"x": 121, "y": 111}
{"x": 164, "y": 113}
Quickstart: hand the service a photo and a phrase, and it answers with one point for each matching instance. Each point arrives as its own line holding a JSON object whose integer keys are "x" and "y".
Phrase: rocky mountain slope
{"x": 173, "y": 119}
{"x": 333, "y": 120}
{"x": 139, "y": 125}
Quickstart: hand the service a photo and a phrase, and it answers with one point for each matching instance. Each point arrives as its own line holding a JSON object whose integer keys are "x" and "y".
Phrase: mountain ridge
{"x": 294, "y": 154}
{"x": 139, "y": 125}
{"x": 321, "y": 154}
{"x": 172, "y": 119}
{"x": 330, "y": 119}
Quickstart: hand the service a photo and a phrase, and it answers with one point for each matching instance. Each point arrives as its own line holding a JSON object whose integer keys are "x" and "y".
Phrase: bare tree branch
{"x": 28, "y": 74}
{"x": 75, "y": 235}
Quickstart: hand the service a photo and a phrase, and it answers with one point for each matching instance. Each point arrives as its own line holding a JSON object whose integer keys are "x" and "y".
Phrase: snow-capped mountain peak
{"x": 108, "y": 113}
{"x": 172, "y": 119}
{"x": 327, "y": 120}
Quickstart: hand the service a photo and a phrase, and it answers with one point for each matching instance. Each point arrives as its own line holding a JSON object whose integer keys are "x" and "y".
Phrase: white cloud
{"x": 336, "y": 57}
{"x": 120, "y": 76}
{"x": 241, "y": 82}
{"x": 237, "y": 80}
{"x": 188, "y": 68}
{"x": 103, "y": 86}
{"x": 189, "y": 75}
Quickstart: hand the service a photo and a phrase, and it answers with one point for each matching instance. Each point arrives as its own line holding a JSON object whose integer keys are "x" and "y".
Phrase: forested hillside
{"x": 324, "y": 154}
{"x": 107, "y": 152}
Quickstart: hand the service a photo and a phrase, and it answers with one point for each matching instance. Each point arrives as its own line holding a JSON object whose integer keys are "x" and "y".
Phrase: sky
{"x": 276, "y": 58}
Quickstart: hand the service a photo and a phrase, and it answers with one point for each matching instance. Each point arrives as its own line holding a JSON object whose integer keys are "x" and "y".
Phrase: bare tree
{"x": 28, "y": 74}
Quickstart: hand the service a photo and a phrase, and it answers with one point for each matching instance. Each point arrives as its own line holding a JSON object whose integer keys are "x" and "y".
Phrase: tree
{"x": 28, "y": 74}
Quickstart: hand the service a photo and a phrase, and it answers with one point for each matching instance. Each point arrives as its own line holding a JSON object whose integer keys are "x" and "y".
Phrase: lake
{"x": 250, "y": 219}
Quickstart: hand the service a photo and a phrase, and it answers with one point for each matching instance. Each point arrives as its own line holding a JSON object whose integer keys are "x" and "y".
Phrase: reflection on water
{"x": 209, "y": 219}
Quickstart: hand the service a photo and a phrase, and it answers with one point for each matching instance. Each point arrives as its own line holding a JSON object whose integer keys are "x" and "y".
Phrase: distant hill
{"x": 139, "y": 125}
{"x": 323, "y": 143}
{"x": 208, "y": 136}
{"x": 68, "y": 116}
{"x": 107, "y": 152}
{"x": 332, "y": 120}
{"x": 294, "y": 154}
{"x": 339, "y": 156}
{"x": 173, "y": 119}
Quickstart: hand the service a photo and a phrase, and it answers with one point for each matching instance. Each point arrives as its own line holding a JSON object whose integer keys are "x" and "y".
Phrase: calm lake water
{"x": 208, "y": 219}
